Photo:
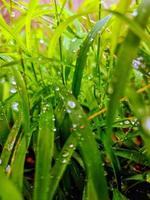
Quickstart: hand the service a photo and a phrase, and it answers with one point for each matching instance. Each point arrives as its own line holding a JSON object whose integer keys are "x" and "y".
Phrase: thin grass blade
{"x": 81, "y": 60}
{"x": 44, "y": 152}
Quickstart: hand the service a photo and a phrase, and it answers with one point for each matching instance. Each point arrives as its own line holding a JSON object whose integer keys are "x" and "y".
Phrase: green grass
{"x": 75, "y": 101}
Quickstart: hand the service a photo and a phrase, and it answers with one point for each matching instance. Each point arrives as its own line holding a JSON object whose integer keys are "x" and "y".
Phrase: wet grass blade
{"x": 81, "y": 135}
{"x": 17, "y": 163}
{"x": 60, "y": 29}
{"x": 134, "y": 26}
{"x": 82, "y": 57}
{"x": 7, "y": 189}
{"x": 18, "y": 159}
{"x": 31, "y": 9}
{"x": 8, "y": 147}
{"x": 6, "y": 29}
{"x": 25, "y": 104}
{"x": 44, "y": 152}
{"x": 127, "y": 53}
{"x": 88, "y": 148}
{"x": 62, "y": 162}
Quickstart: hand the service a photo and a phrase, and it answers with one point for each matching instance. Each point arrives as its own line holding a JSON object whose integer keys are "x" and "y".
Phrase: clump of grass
{"x": 74, "y": 101}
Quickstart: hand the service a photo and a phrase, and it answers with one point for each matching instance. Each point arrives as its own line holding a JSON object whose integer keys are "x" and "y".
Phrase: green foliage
{"x": 74, "y": 100}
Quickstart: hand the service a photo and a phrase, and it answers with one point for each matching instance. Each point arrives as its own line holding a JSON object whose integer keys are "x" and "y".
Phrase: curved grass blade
{"x": 127, "y": 53}
{"x": 81, "y": 135}
{"x": 7, "y": 189}
{"x": 44, "y": 152}
{"x": 134, "y": 26}
{"x": 18, "y": 158}
{"x": 88, "y": 148}
{"x": 60, "y": 29}
{"x": 81, "y": 60}
{"x": 25, "y": 104}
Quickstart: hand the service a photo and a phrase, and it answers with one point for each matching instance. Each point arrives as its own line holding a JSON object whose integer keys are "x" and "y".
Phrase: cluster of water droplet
{"x": 13, "y": 89}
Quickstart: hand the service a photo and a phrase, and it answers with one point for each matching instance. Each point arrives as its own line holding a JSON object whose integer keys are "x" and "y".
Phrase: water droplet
{"x": 0, "y": 161}
{"x": 74, "y": 39}
{"x": 12, "y": 42}
{"x": 127, "y": 122}
{"x": 57, "y": 89}
{"x": 71, "y": 146}
{"x": 13, "y": 82}
{"x": 41, "y": 41}
{"x": 68, "y": 111}
{"x": 91, "y": 40}
{"x": 66, "y": 154}
{"x": 74, "y": 125}
{"x": 15, "y": 106}
{"x": 64, "y": 161}
{"x": 8, "y": 169}
{"x": 146, "y": 124}
{"x": 135, "y": 13}
{"x": 71, "y": 104}
{"x": 54, "y": 129}
{"x": 13, "y": 90}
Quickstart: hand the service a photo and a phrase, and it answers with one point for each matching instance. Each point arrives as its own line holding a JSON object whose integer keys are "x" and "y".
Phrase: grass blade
{"x": 127, "y": 53}
{"x": 83, "y": 136}
{"x": 7, "y": 189}
{"x": 44, "y": 153}
{"x": 8, "y": 147}
{"x": 81, "y": 60}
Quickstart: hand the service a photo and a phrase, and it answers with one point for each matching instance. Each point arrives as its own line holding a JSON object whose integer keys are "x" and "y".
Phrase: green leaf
{"x": 82, "y": 57}
{"x": 81, "y": 135}
{"x": 60, "y": 29}
{"x": 44, "y": 152}
{"x": 118, "y": 196}
{"x": 9, "y": 144}
{"x": 121, "y": 74}
{"x": 7, "y": 189}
